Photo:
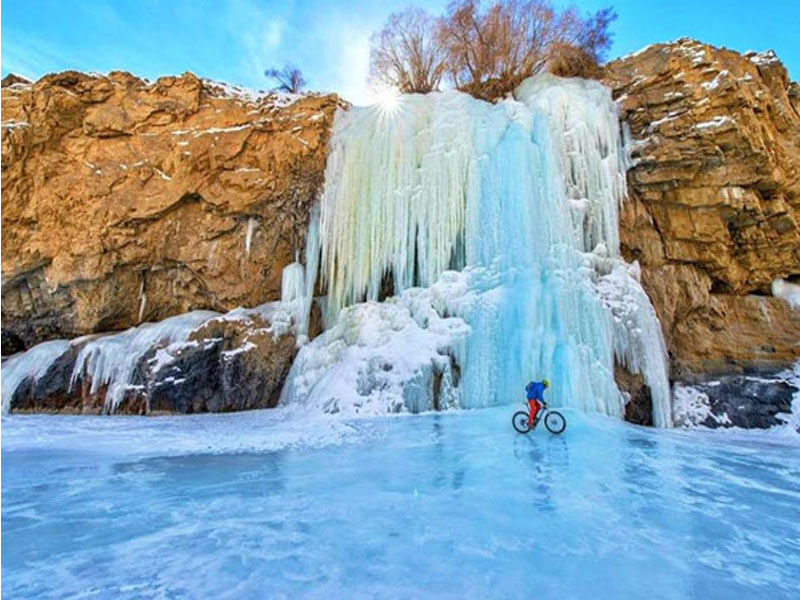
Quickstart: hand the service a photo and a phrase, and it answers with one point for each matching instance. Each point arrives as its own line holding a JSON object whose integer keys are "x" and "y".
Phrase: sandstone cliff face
{"x": 127, "y": 201}
{"x": 715, "y": 200}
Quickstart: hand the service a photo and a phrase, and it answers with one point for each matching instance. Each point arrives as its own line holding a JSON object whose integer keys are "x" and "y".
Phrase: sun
{"x": 387, "y": 99}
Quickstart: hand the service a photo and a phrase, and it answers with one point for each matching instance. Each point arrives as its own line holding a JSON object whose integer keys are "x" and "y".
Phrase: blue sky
{"x": 235, "y": 40}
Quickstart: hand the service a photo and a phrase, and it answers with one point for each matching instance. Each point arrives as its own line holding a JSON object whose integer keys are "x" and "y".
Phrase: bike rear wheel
{"x": 555, "y": 422}
{"x": 520, "y": 422}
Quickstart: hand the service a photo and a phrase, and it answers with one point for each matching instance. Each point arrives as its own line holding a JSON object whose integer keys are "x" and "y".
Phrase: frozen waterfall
{"x": 523, "y": 198}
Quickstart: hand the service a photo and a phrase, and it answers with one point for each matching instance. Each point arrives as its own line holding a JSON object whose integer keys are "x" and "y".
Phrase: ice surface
{"x": 523, "y": 195}
{"x": 452, "y": 505}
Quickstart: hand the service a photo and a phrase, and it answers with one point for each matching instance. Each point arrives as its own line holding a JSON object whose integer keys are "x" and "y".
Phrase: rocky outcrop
{"x": 127, "y": 201}
{"x": 715, "y": 200}
{"x": 236, "y": 361}
{"x": 750, "y": 401}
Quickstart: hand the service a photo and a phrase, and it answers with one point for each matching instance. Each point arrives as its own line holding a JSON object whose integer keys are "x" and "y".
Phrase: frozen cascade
{"x": 388, "y": 353}
{"x": 523, "y": 196}
{"x": 31, "y": 364}
{"x": 587, "y": 144}
{"x": 110, "y": 360}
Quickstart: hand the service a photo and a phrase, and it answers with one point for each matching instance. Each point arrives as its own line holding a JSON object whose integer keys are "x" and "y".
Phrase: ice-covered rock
{"x": 750, "y": 401}
{"x": 198, "y": 362}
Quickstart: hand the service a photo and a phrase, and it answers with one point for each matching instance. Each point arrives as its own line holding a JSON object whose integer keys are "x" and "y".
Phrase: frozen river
{"x": 268, "y": 505}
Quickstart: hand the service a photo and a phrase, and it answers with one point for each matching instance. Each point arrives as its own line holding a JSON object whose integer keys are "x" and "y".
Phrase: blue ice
{"x": 450, "y": 505}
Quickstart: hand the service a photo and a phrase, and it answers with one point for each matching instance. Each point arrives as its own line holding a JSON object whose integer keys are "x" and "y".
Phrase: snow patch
{"x": 789, "y": 292}
{"x": 716, "y": 122}
{"x": 692, "y": 408}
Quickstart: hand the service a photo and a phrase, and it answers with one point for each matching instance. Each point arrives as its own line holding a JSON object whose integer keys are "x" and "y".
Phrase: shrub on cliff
{"x": 487, "y": 53}
{"x": 289, "y": 79}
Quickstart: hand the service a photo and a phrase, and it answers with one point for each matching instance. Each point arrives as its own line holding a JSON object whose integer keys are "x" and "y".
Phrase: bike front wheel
{"x": 555, "y": 422}
{"x": 520, "y": 422}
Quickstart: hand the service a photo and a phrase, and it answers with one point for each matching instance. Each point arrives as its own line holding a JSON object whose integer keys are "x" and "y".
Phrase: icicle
{"x": 111, "y": 360}
{"x": 293, "y": 282}
{"x": 248, "y": 235}
{"x": 142, "y": 300}
{"x": 312, "y": 266}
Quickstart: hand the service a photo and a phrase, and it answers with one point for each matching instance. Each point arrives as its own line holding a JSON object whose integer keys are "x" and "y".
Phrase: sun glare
{"x": 387, "y": 99}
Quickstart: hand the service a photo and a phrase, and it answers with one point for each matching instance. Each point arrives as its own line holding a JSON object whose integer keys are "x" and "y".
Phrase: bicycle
{"x": 554, "y": 421}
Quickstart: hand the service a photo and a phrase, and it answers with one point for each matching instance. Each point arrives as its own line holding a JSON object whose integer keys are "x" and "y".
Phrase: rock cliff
{"x": 715, "y": 200}
{"x": 127, "y": 201}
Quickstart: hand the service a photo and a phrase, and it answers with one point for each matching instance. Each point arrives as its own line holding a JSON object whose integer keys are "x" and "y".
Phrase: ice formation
{"x": 248, "y": 234}
{"x": 110, "y": 360}
{"x": 522, "y": 195}
{"x": 790, "y": 292}
{"x": 381, "y": 357}
{"x": 31, "y": 364}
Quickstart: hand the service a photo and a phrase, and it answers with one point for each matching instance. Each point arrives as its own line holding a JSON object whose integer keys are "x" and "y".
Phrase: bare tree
{"x": 595, "y": 38}
{"x": 289, "y": 79}
{"x": 488, "y": 53}
{"x": 405, "y": 53}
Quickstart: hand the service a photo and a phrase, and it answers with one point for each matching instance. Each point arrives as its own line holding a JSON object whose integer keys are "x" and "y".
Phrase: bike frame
{"x": 539, "y": 414}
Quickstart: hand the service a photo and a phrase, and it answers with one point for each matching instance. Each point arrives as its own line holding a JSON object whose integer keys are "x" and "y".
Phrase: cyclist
{"x": 535, "y": 391}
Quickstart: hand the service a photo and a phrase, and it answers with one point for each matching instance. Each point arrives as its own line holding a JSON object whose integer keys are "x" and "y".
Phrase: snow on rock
{"x": 109, "y": 361}
{"x": 762, "y": 400}
{"x": 250, "y": 96}
{"x": 716, "y": 123}
{"x": 692, "y": 408}
{"x": 762, "y": 59}
{"x": 202, "y": 351}
{"x": 31, "y": 364}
